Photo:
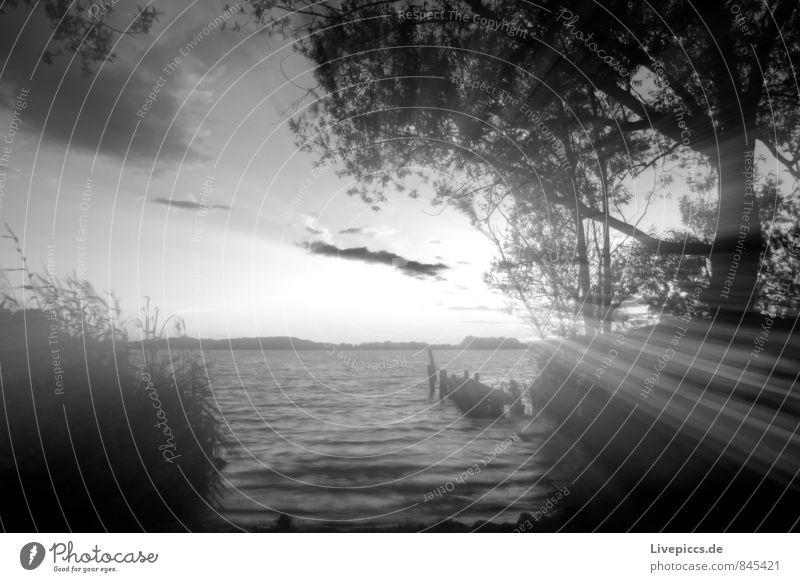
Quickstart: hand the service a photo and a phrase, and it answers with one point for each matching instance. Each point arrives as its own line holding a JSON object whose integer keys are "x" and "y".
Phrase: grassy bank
{"x": 94, "y": 436}
{"x": 677, "y": 427}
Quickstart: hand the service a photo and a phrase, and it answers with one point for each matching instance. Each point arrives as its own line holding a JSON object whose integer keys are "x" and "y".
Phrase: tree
{"x": 668, "y": 283}
{"x": 779, "y": 275}
{"x": 82, "y": 27}
{"x": 540, "y": 269}
{"x": 698, "y": 82}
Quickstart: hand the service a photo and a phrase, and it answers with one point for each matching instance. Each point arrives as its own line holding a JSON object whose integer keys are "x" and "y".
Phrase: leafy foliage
{"x": 83, "y": 27}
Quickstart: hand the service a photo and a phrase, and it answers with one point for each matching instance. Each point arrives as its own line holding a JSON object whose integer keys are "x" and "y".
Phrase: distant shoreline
{"x": 298, "y": 344}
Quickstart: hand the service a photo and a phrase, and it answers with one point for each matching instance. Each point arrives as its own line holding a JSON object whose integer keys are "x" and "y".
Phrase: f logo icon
{"x": 31, "y": 555}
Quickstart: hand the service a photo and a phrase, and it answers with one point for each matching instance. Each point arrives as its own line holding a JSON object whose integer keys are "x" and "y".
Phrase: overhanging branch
{"x": 648, "y": 241}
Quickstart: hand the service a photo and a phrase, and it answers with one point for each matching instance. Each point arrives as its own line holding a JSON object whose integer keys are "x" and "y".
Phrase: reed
{"x": 93, "y": 436}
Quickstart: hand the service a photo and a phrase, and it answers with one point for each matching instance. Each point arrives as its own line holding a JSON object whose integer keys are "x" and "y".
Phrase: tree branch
{"x": 648, "y": 241}
{"x": 792, "y": 166}
{"x": 782, "y": 13}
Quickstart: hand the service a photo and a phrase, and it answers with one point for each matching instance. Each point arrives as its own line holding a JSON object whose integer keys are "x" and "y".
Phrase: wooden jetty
{"x": 468, "y": 394}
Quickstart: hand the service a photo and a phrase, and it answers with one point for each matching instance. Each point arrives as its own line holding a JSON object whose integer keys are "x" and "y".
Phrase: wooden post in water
{"x": 431, "y": 374}
{"x": 442, "y": 384}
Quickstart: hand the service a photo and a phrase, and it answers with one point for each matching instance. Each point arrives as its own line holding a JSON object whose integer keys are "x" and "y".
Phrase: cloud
{"x": 187, "y": 204}
{"x": 98, "y": 113}
{"x": 434, "y": 242}
{"x": 312, "y": 226}
{"x": 371, "y": 231}
{"x": 364, "y": 255}
{"x": 476, "y": 308}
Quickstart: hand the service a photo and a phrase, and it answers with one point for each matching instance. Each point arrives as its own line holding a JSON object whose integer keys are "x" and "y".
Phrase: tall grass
{"x": 95, "y": 436}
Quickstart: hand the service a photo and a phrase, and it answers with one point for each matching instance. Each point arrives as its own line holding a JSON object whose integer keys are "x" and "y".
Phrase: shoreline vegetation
{"x": 96, "y": 435}
{"x": 297, "y": 344}
{"x": 654, "y": 417}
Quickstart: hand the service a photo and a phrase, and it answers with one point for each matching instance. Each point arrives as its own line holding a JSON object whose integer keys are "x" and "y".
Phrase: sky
{"x": 118, "y": 184}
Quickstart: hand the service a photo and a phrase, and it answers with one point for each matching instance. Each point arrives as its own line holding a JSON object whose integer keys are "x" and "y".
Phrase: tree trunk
{"x": 584, "y": 276}
{"x": 737, "y": 243}
{"x": 607, "y": 281}
{"x": 605, "y": 271}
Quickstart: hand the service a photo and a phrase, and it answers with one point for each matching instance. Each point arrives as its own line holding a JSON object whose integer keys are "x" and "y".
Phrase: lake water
{"x": 354, "y": 439}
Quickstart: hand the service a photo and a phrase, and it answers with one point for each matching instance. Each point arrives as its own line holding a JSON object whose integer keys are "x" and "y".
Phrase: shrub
{"x": 93, "y": 437}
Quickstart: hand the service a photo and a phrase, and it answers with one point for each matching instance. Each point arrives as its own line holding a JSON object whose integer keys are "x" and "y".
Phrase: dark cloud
{"x": 98, "y": 112}
{"x": 364, "y": 255}
{"x": 187, "y": 204}
{"x": 371, "y": 231}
